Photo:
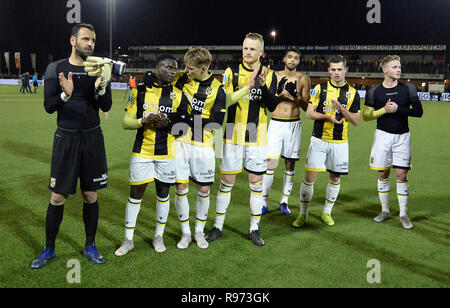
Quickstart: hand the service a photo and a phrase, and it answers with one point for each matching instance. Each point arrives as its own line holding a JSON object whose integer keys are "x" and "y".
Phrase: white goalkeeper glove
{"x": 101, "y": 67}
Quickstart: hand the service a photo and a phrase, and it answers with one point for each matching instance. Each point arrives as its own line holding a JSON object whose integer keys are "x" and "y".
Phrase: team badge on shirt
{"x": 209, "y": 90}
{"x": 173, "y": 95}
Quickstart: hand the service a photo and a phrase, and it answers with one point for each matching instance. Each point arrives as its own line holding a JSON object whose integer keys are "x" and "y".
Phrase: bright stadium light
{"x": 274, "y": 35}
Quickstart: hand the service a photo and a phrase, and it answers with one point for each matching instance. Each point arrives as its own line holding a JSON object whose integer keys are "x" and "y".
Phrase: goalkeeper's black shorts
{"x": 78, "y": 154}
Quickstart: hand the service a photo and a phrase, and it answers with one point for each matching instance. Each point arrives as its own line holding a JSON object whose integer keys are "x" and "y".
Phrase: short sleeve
{"x": 356, "y": 103}
{"x": 315, "y": 96}
{"x": 132, "y": 104}
{"x": 227, "y": 80}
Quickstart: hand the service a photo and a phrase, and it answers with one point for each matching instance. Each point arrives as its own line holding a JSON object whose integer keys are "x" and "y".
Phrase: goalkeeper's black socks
{"x": 90, "y": 218}
{"x": 52, "y": 222}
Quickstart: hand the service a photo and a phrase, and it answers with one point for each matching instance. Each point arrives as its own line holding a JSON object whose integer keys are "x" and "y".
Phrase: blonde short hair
{"x": 388, "y": 59}
{"x": 255, "y": 36}
{"x": 198, "y": 57}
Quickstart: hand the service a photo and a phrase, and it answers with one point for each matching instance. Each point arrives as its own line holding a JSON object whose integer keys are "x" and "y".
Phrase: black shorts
{"x": 78, "y": 154}
{"x": 35, "y": 84}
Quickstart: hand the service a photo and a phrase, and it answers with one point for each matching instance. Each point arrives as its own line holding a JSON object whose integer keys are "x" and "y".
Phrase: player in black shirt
{"x": 391, "y": 103}
{"x": 78, "y": 147}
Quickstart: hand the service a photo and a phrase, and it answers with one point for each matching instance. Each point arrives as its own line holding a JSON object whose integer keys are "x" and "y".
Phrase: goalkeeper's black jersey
{"x": 405, "y": 95}
{"x": 81, "y": 111}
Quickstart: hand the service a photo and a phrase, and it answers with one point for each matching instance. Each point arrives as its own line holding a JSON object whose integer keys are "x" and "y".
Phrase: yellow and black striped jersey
{"x": 207, "y": 99}
{"x": 321, "y": 98}
{"x": 151, "y": 142}
{"x": 247, "y": 119}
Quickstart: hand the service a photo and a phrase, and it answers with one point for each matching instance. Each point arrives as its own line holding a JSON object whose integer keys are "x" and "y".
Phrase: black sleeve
{"x": 416, "y": 110}
{"x": 370, "y": 97}
{"x": 273, "y": 85}
{"x": 269, "y": 99}
{"x": 105, "y": 100}
{"x": 218, "y": 111}
{"x": 356, "y": 103}
{"x": 52, "y": 89}
{"x": 180, "y": 116}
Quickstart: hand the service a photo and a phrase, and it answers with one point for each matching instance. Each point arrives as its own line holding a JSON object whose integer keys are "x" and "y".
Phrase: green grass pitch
{"x": 315, "y": 256}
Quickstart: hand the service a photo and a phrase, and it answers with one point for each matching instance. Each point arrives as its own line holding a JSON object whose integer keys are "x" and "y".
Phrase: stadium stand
{"x": 421, "y": 63}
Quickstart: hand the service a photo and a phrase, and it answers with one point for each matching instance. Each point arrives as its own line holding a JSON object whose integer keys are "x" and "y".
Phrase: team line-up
{"x": 175, "y": 115}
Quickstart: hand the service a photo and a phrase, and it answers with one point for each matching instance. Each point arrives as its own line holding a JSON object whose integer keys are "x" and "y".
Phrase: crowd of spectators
{"x": 355, "y": 64}
{"x": 309, "y": 64}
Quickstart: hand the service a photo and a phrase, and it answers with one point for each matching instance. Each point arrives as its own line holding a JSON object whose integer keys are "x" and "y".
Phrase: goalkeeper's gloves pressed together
{"x": 291, "y": 87}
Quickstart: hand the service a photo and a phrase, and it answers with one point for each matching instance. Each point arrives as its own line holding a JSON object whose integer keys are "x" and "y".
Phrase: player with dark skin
{"x": 164, "y": 74}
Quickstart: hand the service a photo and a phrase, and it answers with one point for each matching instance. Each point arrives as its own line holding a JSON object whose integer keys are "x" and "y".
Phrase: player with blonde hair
{"x": 391, "y": 103}
{"x": 246, "y": 134}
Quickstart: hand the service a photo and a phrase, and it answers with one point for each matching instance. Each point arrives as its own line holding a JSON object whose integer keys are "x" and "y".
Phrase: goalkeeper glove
{"x": 100, "y": 67}
{"x": 291, "y": 87}
{"x": 281, "y": 85}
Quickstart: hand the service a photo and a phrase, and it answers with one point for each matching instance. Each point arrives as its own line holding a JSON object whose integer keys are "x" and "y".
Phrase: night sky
{"x": 41, "y": 26}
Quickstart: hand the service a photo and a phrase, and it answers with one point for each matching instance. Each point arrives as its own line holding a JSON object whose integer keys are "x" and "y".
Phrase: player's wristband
{"x": 64, "y": 97}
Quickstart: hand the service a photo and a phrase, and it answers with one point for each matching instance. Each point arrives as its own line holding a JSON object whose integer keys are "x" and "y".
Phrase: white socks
{"x": 402, "y": 196}
{"x": 256, "y": 205}
{"x": 222, "y": 202}
{"x": 384, "y": 188}
{"x": 132, "y": 210}
{"x": 131, "y": 213}
{"x": 267, "y": 184}
{"x": 202, "y": 207}
{"x": 306, "y": 193}
{"x": 182, "y": 207}
{"x": 288, "y": 182}
{"x": 331, "y": 196}
{"x": 162, "y": 212}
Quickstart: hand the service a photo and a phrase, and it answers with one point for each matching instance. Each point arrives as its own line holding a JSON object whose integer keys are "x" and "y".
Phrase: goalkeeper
{"x": 76, "y": 88}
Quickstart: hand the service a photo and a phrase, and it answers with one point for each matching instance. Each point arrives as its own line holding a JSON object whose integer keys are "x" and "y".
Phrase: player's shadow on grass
{"x": 22, "y": 227}
{"x": 381, "y": 253}
{"x": 28, "y": 150}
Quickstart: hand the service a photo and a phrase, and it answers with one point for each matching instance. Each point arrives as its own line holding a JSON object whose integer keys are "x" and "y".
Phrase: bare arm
{"x": 304, "y": 89}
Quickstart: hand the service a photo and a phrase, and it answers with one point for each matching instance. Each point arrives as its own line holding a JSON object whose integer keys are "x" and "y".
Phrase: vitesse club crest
{"x": 371, "y": 160}
{"x": 52, "y": 182}
{"x": 348, "y": 95}
{"x": 173, "y": 95}
{"x": 209, "y": 90}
